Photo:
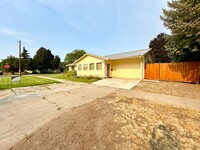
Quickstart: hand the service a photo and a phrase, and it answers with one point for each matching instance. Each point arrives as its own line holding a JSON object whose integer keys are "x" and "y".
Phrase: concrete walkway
{"x": 118, "y": 83}
{"x": 162, "y": 98}
{"x": 113, "y": 82}
{"x": 124, "y": 86}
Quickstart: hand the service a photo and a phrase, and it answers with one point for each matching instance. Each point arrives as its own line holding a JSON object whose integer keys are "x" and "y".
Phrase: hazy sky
{"x": 100, "y": 27}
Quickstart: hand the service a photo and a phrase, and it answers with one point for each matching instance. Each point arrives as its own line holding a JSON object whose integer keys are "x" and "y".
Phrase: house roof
{"x": 88, "y": 54}
{"x": 69, "y": 65}
{"x": 128, "y": 54}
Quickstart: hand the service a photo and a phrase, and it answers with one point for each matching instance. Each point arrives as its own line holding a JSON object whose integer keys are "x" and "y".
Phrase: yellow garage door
{"x": 126, "y": 68}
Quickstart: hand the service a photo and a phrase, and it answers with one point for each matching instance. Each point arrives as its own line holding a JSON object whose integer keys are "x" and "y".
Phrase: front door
{"x": 108, "y": 70}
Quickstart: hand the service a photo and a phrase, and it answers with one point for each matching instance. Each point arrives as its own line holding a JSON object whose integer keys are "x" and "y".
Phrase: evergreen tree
{"x": 25, "y": 54}
{"x": 56, "y": 62}
{"x": 158, "y": 48}
{"x": 183, "y": 20}
{"x": 43, "y": 58}
{"x": 25, "y": 58}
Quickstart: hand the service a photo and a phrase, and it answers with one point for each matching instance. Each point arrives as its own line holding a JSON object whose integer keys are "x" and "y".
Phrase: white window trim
{"x": 101, "y": 66}
{"x": 89, "y": 66}
{"x": 81, "y": 67}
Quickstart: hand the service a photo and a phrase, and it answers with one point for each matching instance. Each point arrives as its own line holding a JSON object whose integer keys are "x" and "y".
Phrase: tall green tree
{"x": 25, "y": 58}
{"x": 43, "y": 59}
{"x": 56, "y": 62}
{"x": 158, "y": 48}
{"x": 183, "y": 20}
{"x": 62, "y": 66}
{"x": 31, "y": 64}
{"x": 74, "y": 55}
{"x": 25, "y": 54}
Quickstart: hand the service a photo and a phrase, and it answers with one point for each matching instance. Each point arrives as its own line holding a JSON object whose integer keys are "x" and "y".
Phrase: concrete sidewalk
{"x": 118, "y": 83}
{"x": 162, "y": 98}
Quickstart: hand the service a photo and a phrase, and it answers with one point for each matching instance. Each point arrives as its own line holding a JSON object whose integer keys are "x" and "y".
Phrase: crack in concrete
{"x": 185, "y": 103}
{"x": 46, "y": 87}
{"x": 54, "y": 103}
{"x": 13, "y": 91}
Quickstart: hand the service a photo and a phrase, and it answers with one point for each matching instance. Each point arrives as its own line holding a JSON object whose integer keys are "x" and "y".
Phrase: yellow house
{"x": 123, "y": 65}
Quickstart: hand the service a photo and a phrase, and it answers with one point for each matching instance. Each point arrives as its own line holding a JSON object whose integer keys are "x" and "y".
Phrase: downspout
{"x": 141, "y": 68}
{"x": 104, "y": 68}
{"x": 144, "y": 59}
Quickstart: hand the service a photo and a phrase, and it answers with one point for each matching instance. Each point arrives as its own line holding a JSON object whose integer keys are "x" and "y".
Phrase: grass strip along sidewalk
{"x": 6, "y": 83}
{"x": 85, "y": 79}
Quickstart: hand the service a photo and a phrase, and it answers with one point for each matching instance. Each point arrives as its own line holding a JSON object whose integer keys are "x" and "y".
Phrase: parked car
{"x": 28, "y": 71}
{"x": 1, "y": 72}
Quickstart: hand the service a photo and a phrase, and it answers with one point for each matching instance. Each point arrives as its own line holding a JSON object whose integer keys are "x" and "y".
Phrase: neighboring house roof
{"x": 128, "y": 54}
{"x": 87, "y": 54}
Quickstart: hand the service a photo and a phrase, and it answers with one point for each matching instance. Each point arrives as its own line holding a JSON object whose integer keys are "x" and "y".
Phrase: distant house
{"x": 123, "y": 65}
{"x": 71, "y": 67}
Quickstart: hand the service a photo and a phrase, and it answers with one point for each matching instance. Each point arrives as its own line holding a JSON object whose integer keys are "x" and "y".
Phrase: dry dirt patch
{"x": 170, "y": 88}
{"x": 118, "y": 122}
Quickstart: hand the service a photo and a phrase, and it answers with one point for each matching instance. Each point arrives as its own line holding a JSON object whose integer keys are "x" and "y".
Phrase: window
{"x": 99, "y": 66}
{"x": 92, "y": 66}
{"x": 80, "y": 67}
{"x": 85, "y": 67}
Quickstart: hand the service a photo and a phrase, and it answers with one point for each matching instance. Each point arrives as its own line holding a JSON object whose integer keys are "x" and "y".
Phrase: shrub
{"x": 89, "y": 77}
{"x": 71, "y": 74}
{"x": 92, "y": 77}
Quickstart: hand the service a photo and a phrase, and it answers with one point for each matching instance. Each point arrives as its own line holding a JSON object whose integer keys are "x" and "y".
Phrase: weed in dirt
{"x": 162, "y": 138}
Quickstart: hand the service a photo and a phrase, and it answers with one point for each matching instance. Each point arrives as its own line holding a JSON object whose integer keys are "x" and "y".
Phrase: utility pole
{"x": 20, "y": 58}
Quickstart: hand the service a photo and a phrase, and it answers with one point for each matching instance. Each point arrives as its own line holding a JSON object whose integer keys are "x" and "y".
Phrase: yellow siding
{"x": 87, "y": 60}
{"x": 126, "y": 68}
{"x": 70, "y": 68}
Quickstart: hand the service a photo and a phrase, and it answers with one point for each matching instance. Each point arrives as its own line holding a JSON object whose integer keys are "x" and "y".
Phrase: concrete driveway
{"x": 23, "y": 110}
{"x": 118, "y": 83}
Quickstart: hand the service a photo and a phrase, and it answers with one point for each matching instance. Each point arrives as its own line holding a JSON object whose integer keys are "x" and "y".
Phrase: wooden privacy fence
{"x": 181, "y": 71}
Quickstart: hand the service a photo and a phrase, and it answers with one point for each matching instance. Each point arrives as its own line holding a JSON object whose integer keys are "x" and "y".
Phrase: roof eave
{"x": 127, "y": 57}
{"x": 87, "y": 54}
{"x": 69, "y": 65}
{"x": 147, "y": 52}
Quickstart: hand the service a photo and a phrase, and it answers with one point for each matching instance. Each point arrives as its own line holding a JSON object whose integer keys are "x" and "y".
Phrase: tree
{"x": 43, "y": 59}
{"x": 74, "y": 55}
{"x": 56, "y": 62}
{"x": 62, "y": 66}
{"x": 158, "y": 48}
{"x": 13, "y": 62}
{"x": 183, "y": 20}
{"x": 31, "y": 64}
{"x": 25, "y": 54}
{"x": 25, "y": 58}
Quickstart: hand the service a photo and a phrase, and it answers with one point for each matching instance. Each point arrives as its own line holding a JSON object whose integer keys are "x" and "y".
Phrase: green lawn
{"x": 77, "y": 79}
{"x": 5, "y": 82}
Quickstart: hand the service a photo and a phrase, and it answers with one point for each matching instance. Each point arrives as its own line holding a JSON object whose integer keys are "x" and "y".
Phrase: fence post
{"x": 198, "y": 82}
{"x": 159, "y": 71}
